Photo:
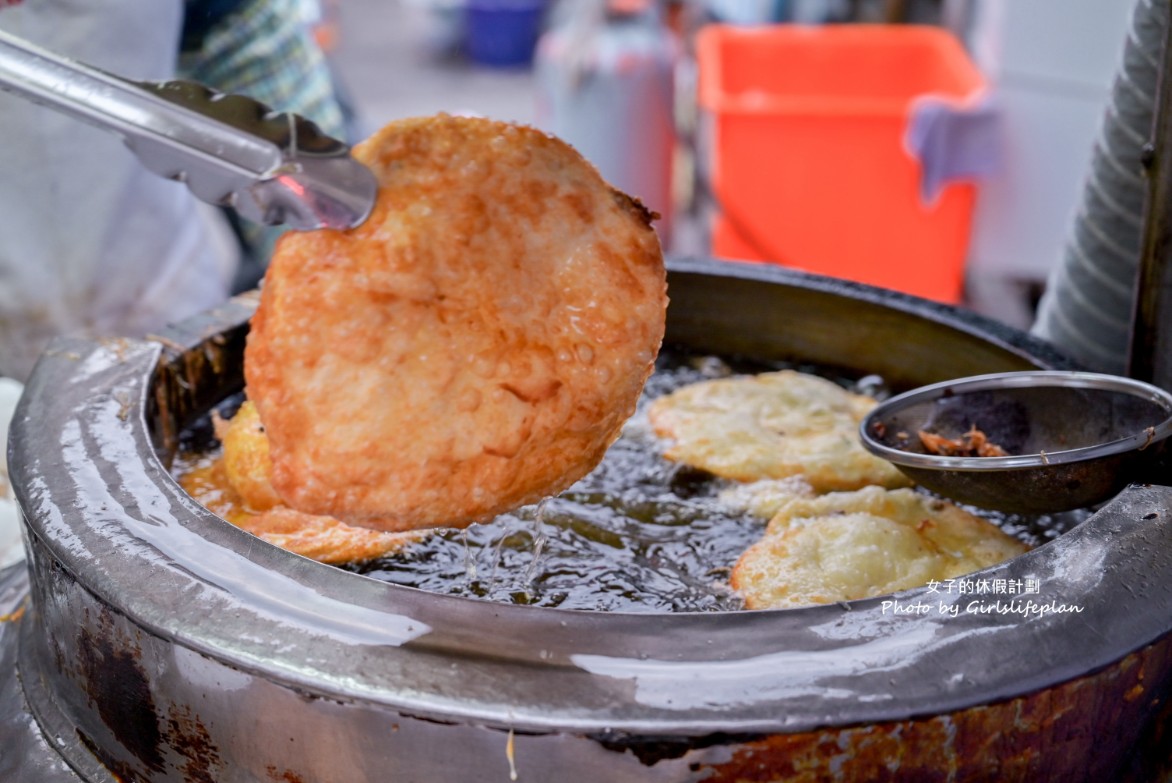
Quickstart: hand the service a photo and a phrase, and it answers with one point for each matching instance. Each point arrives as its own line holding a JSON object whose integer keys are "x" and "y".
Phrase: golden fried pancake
{"x": 247, "y": 466}
{"x": 235, "y": 486}
{"x": 324, "y": 538}
{"x": 772, "y": 425}
{"x": 765, "y": 498}
{"x": 849, "y": 545}
{"x": 474, "y": 346}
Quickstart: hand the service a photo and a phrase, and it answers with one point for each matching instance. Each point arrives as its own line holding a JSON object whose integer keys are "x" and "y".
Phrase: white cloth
{"x": 11, "y": 549}
{"x": 90, "y": 241}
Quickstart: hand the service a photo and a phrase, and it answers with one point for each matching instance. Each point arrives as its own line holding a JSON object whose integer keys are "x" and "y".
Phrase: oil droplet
{"x": 469, "y": 558}
{"x": 510, "y": 751}
{"x": 539, "y": 540}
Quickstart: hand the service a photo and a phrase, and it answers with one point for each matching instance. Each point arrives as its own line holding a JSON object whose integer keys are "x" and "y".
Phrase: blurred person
{"x": 265, "y": 49}
{"x": 273, "y": 51}
{"x": 91, "y": 242}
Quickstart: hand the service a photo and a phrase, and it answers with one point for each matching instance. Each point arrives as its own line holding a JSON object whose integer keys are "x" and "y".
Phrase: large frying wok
{"x": 153, "y": 641}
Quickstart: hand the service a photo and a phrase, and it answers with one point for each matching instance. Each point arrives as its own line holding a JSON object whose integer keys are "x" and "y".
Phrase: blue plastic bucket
{"x": 503, "y": 32}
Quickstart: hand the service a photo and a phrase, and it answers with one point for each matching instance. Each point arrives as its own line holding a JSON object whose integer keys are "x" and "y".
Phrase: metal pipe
{"x": 1150, "y": 355}
{"x": 1087, "y": 310}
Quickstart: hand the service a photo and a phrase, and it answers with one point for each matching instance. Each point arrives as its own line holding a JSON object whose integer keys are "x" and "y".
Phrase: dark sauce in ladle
{"x": 638, "y": 534}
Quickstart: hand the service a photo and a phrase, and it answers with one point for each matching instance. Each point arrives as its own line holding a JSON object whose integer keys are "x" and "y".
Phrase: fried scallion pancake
{"x": 247, "y": 466}
{"x": 324, "y": 538}
{"x": 236, "y": 486}
{"x": 765, "y": 498}
{"x": 845, "y": 546}
{"x": 772, "y": 426}
{"x": 474, "y": 346}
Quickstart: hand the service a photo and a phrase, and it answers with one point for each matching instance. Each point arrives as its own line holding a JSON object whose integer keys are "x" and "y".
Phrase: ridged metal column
{"x": 1151, "y": 342}
{"x": 1087, "y": 310}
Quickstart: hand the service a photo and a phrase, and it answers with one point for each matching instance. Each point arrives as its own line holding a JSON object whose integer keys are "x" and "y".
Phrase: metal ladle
{"x": 228, "y": 149}
{"x": 1074, "y": 439}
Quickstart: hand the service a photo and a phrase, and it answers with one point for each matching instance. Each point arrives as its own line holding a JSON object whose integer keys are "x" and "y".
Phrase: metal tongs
{"x": 228, "y": 149}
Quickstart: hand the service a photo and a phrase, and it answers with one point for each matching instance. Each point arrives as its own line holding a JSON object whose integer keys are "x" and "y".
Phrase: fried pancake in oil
{"x": 247, "y": 466}
{"x": 765, "y": 498}
{"x": 771, "y": 426}
{"x": 236, "y": 486}
{"x": 474, "y": 346}
{"x": 324, "y": 538}
{"x": 849, "y": 545}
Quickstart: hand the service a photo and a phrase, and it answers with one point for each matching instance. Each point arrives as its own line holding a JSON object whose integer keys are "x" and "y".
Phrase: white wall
{"x": 1051, "y": 63}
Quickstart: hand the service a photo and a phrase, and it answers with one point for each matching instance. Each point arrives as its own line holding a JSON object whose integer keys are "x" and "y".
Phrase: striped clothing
{"x": 265, "y": 50}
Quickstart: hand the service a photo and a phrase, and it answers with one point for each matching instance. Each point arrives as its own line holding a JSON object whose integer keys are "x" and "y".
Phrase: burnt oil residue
{"x": 117, "y": 686}
{"x": 110, "y": 664}
{"x": 121, "y": 770}
{"x": 651, "y": 750}
{"x": 187, "y": 735}
{"x": 192, "y": 356}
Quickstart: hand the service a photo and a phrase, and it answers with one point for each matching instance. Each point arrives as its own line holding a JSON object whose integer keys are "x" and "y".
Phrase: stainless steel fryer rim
{"x": 101, "y": 505}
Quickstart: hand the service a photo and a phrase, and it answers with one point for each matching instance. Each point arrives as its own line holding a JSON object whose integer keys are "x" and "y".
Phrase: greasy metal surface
{"x": 1072, "y": 439}
{"x": 25, "y": 755}
{"x": 768, "y": 311}
{"x": 1041, "y": 737}
{"x": 180, "y": 647}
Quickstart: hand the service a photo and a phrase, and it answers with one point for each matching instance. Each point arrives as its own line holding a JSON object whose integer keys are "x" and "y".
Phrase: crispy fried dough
{"x": 324, "y": 538}
{"x": 770, "y": 426}
{"x": 235, "y": 486}
{"x": 849, "y": 545}
{"x": 973, "y": 443}
{"x": 246, "y": 459}
{"x": 474, "y": 346}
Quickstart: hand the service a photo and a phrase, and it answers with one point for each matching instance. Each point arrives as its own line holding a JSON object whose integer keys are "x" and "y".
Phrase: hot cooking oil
{"x": 638, "y": 534}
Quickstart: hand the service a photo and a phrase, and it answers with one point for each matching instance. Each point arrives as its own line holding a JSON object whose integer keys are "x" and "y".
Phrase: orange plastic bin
{"x": 806, "y": 154}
